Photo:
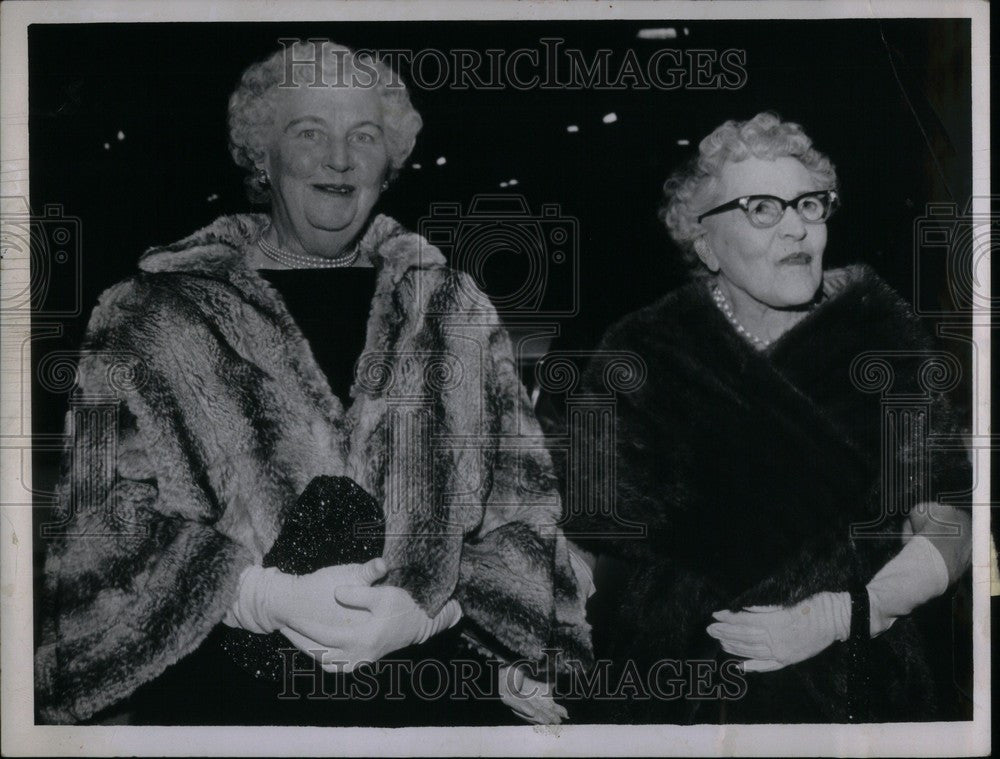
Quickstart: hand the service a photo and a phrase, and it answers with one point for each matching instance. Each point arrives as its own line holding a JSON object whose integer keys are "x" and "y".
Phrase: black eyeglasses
{"x": 765, "y": 211}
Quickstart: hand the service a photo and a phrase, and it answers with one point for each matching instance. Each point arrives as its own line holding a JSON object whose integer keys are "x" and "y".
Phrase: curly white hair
{"x": 251, "y": 106}
{"x": 689, "y": 191}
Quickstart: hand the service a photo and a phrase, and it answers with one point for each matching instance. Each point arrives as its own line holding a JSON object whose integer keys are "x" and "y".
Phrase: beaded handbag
{"x": 333, "y": 522}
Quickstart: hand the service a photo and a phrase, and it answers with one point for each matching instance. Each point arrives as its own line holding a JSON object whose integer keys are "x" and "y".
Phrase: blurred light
{"x": 441, "y": 161}
{"x": 213, "y": 197}
{"x": 121, "y": 135}
{"x": 503, "y": 184}
{"x": 417, "y": 166}
{"x": 610, "y": 118}
{"x": 686, "y": 32}
{"x": 657, "y": 33}
{"x": 107, "y": 146}
{"x": 572, "y": 128}
{"x": 683, "y": 142}
{"x": 512, "y": 182}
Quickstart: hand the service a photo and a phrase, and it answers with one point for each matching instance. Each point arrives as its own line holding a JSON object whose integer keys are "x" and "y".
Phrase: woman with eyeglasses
{"x": 789, "y": 529}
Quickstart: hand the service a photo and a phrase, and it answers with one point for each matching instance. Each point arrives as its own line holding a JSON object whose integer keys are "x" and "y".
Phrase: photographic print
{"x": 496, "y": 378}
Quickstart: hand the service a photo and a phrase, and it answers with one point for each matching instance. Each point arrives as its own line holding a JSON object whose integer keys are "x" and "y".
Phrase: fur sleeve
{"x": 516, "y": 583}
{"x": 137, "y": 575}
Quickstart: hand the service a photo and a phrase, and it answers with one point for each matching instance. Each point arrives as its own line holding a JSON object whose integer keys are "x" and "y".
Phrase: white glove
{"x": 772, "y": 637}
{"x": 530, "y": 700}
{"x": 383, "y": 619}
{"x": 269, "y": 600}
{"x": 913, "y": 577}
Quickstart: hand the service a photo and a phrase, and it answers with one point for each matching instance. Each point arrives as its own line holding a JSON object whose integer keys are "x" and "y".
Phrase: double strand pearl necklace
{"x": 727, "y": 310}
{"x": 295, "y": 261}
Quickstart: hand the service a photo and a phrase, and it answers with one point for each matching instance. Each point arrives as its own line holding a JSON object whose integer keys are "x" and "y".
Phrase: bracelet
{"x": 860, "y": 615}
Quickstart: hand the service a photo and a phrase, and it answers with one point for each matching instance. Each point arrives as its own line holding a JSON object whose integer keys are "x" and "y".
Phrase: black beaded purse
{"x": 333, "y": 522}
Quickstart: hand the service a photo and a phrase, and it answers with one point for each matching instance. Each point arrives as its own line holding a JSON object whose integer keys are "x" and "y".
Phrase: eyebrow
{"x": 318, "y": 120}
{"x": 301, "y": 119}
{"x": 772, "y": 195}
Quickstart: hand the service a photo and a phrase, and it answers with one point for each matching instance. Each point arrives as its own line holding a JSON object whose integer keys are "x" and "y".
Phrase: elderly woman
{"x": 288, "y": 370}
{"x": 788, "y": 531}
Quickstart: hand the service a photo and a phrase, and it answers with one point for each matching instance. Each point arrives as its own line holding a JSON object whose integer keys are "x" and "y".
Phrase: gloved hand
{"x": 269, "y": 599}
{"x": 772, "y": 637}
{"x": 382, "y": 619}
{"x": 914, "y": 576}
{"x": 936, "y": 522}
{"x": 529, "y": 699}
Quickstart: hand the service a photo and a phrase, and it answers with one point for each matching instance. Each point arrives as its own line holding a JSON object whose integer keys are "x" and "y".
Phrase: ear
{"x": 704, "y": 251}
{"x": 262, "y": 159}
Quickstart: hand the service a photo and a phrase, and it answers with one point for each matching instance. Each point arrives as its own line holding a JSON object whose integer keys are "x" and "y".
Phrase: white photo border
{"x": 22, "y": 738}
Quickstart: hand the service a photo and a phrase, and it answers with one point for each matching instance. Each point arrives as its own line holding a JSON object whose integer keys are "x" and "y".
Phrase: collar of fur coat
{"x": 221, "y": 247}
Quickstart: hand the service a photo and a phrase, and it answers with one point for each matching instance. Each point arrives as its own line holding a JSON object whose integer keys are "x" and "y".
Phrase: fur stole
{"x": 220, "y": 417}
{"x": 748, "y": 470}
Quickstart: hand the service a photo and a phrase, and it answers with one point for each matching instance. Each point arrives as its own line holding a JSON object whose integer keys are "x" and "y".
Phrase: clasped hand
{"x": 773, "y": 637}
{"x": 340, "y": 619}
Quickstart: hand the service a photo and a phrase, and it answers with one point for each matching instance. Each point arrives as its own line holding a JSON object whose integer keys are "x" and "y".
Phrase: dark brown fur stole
{"x": 748, "y": 470}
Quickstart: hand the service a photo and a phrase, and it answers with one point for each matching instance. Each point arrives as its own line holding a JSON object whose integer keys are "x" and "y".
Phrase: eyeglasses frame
{"x": 743, "y": 203}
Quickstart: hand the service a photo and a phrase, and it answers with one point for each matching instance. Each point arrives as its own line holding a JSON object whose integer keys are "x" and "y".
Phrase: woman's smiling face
{"x": 326, "y": 159}
{"x": 780, "y": 266}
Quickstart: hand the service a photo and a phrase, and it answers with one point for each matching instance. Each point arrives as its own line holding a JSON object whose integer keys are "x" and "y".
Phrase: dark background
{"x": 889, "y": 101}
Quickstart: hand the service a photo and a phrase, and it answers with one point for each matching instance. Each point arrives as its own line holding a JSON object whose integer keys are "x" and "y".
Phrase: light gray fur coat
{"x": 223, "y": 418}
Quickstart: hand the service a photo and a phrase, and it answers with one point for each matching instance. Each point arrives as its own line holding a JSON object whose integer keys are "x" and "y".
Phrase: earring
{"x": 262, "y": 178}
{"x": 385, "y": 185}
{"x": 704, "y": 252}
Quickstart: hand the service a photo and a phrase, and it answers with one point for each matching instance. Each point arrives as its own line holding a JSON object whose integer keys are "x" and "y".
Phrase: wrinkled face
{"x": 780, "y": 266}
{"x": 326, "y": 157}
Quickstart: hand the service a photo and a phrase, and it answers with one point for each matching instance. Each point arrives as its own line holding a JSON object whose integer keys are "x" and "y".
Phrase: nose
{"x": 791, "y": 224}
{"x": 338, "y": 157}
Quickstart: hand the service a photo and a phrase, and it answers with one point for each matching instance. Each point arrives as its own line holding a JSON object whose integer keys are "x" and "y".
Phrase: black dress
{"x": 208, "y": 687}
{"x": 331, "y": 307}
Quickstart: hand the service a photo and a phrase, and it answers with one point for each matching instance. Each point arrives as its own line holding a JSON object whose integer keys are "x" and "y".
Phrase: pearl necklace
{"x": 295, "y": 261}
{"x": 727, "y": 310}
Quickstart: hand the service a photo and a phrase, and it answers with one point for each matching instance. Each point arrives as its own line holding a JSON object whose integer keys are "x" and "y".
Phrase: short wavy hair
{"x": 252, "y": 107}
{"x": 688, "y": 192}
